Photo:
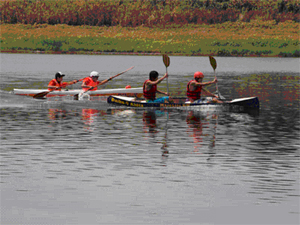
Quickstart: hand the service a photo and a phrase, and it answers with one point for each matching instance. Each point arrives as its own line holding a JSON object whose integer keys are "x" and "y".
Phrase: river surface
{"x": 77, "y": 162}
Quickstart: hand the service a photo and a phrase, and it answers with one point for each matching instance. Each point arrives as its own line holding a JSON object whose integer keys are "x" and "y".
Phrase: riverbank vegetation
{"x": 191, "y": 27}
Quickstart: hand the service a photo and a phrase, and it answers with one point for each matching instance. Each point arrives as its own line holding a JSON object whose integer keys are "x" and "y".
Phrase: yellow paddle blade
{"x": 213, "y": 62}
{"x": 166, "y": 60}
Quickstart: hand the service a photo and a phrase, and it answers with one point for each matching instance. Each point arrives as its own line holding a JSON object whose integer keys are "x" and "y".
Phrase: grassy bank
{"x": 256, "y": 38}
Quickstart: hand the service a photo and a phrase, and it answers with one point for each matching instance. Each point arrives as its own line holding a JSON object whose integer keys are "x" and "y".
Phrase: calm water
{"x": 66, "y": 162}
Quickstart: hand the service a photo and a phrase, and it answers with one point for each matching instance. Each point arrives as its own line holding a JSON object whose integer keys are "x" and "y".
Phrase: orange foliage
{"x": 129, "y": 13}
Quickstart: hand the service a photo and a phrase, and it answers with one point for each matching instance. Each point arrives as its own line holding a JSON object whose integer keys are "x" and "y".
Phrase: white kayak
{"x": 136, "y": 92}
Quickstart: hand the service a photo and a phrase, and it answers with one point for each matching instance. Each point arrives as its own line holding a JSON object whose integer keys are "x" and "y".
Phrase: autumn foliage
{"x": 182, "y": 27}
{"x": 132, "y": 13}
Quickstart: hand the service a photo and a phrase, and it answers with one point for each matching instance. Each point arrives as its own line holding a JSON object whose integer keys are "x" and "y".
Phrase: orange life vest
{"x": 89, "y": 82}
{"x": 55, "y": 83}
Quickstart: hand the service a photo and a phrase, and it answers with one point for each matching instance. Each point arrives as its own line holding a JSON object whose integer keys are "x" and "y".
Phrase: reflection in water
{"x": 272, "y": 176}
{"x": 202, "y": 125}
{"x": 165, "y": 152}
{"x": 57, "y": 114}
{"x": 195, "y": 124}
{"x": 54, "y": 169}
{"x": 116, "y": 158}
{"x": 150, "y": 126}
{"x": 149, "y": 120}
{"x": 89, "y": 116}
{"x": 269, "y": 88}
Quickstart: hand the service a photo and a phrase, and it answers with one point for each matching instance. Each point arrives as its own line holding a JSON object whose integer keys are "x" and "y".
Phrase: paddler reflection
{"x": 89, "y": 117}
{"x": 150, "y": 126}
{"x": 149, "y": 120}
{"x": 202, "y": 128}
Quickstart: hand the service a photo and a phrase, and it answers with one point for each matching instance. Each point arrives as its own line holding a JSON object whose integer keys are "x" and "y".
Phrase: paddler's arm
{"x": 104, "y": 81}
{"x": 158, "y": 80}
{"x": 150, "y": 83}
{"x": 209, "y": 93}
{"x": 84, "y": 85}
{"x": 53, "y": 87}
{"x": 204, "y": 83}
{"x": 64, "y": 84}
{"x": 161, "y": 92}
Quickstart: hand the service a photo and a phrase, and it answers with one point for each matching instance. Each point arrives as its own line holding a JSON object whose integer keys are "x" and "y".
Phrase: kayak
{"x": 132, "y": 92}
{"x": 240, "y": 104}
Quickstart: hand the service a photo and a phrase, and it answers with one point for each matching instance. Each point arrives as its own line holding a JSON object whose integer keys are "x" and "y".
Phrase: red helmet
{"x": 198, "y": 74}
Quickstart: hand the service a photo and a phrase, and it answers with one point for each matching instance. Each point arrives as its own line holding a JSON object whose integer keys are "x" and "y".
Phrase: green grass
{"x": 220, "y": 40}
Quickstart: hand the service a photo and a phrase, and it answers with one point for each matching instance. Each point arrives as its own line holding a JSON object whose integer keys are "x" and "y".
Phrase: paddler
{"x": 194, "y": 89}
{"x": 91, "y": 83}
{"x": 150, "y": 88}
{"x": 57, "y": 83}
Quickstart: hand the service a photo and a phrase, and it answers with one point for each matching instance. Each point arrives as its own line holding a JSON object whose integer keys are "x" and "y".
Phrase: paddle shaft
{"x": 166, "y": 61}
{"x": 167, "y": 81}
{"x": 42, "y": 94}
{"x": 103, "y": 82}
{"x": 213, "y": 64}
{"x": 217, "y": 84}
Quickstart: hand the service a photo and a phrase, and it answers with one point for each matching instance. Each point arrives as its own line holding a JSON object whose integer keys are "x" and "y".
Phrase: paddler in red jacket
{"x": 58, "y": 84}
{"x": 150, "y": 88}
{"x": 194, "y": 89}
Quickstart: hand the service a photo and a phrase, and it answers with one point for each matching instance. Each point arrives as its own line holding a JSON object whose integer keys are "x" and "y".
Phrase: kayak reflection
{"x": 56, "y": 114}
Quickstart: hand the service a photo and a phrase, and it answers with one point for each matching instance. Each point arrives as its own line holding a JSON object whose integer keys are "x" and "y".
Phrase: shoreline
{"x": 131, "y": 54}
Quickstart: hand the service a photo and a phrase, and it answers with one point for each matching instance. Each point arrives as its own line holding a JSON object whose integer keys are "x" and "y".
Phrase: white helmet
{"x": 94, "y": 74}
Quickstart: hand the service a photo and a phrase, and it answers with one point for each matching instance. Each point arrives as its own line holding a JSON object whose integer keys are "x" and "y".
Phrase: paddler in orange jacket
{"x": 58, "y": 84}
{"x": 91, "y": 83}
{"x": 194, "y": 89}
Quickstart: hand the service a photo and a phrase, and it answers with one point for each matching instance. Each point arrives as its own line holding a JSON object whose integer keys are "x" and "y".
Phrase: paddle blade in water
{"x": 166, "y": 60}
{"x": 213, "y": 62}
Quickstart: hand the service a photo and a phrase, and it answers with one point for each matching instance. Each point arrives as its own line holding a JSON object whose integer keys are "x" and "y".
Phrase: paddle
{"x": 213, "y": 63}
{"x": 44, "y": 93}
{"x": 166, "y": 60}
{"x": 103, "y": 82}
